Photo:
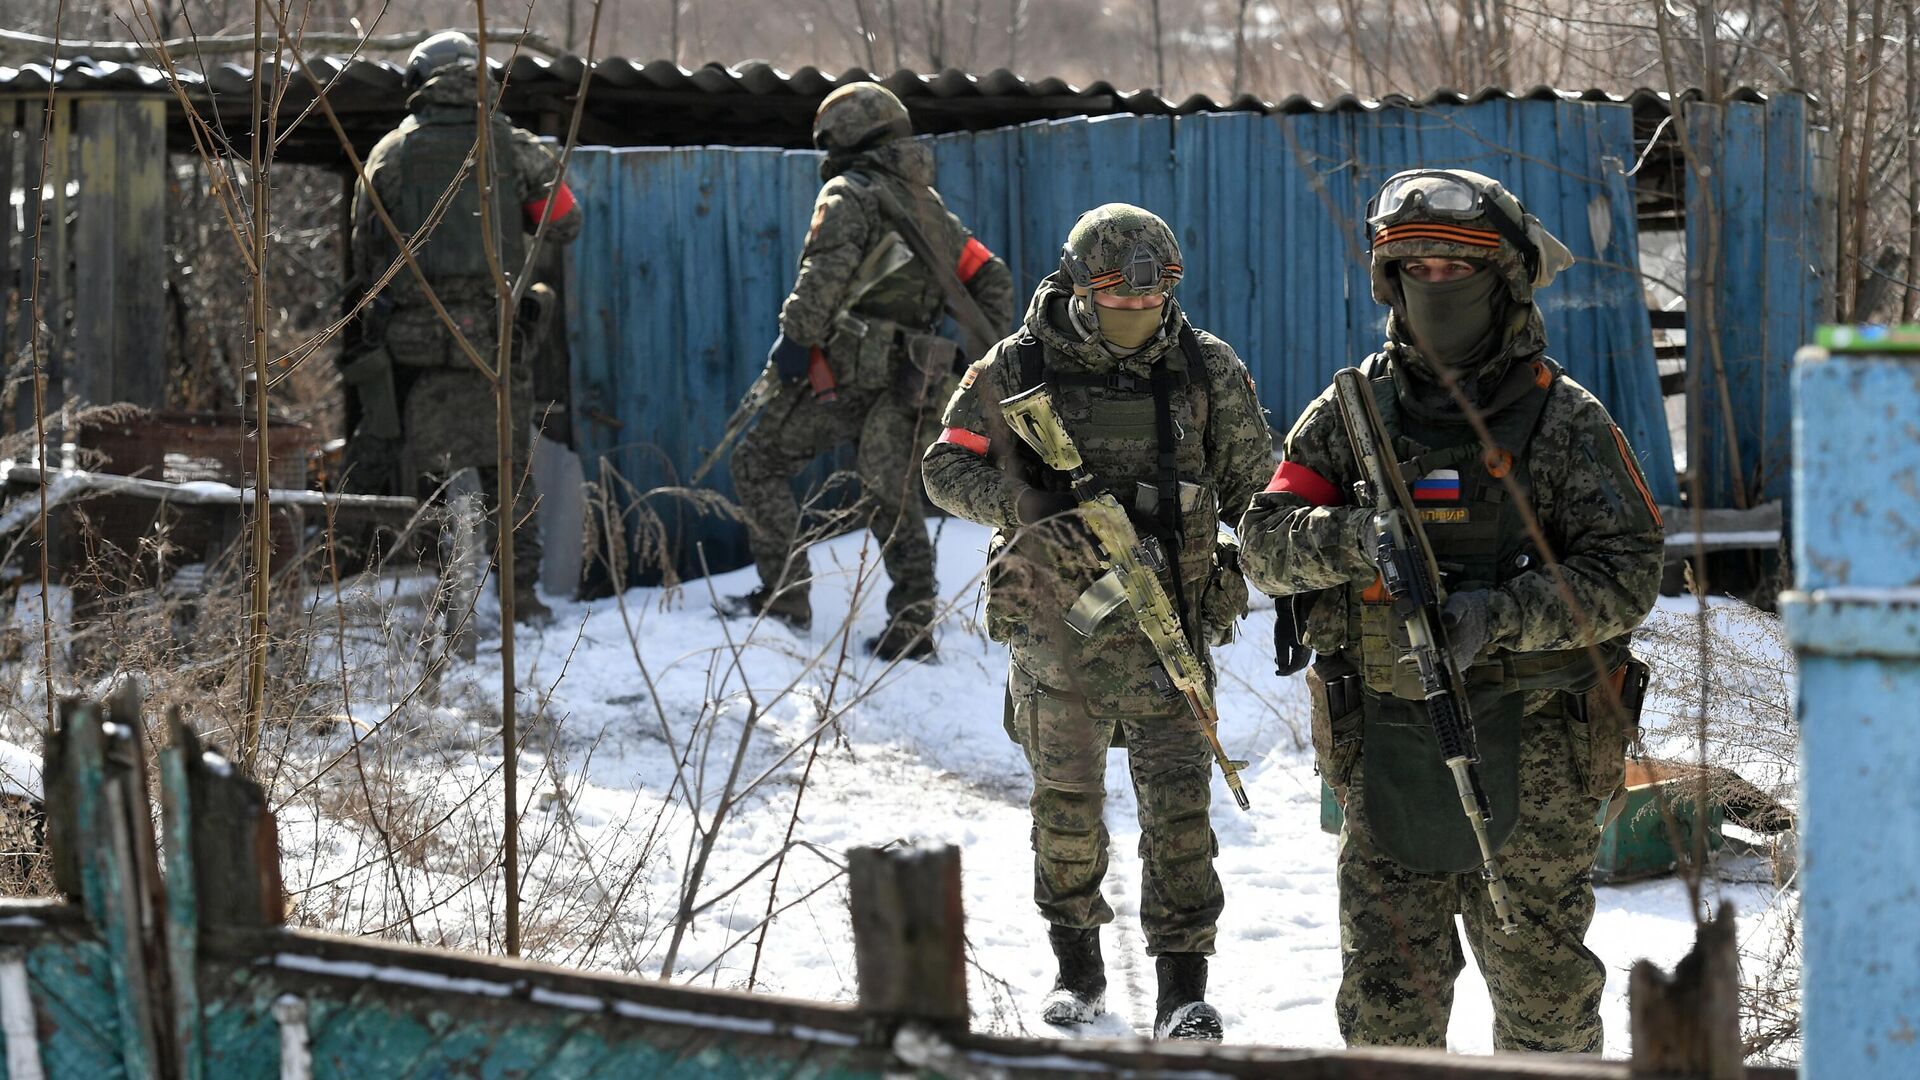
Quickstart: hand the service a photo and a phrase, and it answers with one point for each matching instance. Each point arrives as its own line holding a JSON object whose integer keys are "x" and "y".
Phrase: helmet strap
{"x": 1515, "y": 233}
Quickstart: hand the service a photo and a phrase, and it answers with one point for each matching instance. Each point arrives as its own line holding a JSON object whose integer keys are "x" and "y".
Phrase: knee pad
{"x": 1062, "y": 846}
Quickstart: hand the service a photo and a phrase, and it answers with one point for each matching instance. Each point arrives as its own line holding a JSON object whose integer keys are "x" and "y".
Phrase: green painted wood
{"x": 73, "y": 995}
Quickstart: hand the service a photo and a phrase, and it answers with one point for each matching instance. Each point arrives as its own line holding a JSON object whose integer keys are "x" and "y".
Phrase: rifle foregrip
{"x": 1447, "y": 727}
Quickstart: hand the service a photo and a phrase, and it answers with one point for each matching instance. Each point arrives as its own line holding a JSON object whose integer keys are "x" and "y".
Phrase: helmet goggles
{"x": 1418, "y": 204}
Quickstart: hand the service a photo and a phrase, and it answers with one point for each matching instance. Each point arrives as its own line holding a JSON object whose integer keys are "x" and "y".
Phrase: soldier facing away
{"x": 424, "y": 410}
{"x": 860, "y": 360}
{"x": 1457, "y": 259}
{"x": 1165, "y": 417}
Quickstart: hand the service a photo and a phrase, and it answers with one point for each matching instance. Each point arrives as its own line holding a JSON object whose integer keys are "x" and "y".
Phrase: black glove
{"x": 1467, "y": 619}
{"x": 1290, "y": 657}
{"x": 1035, "y": 504}
{"x": 789, "y": 358}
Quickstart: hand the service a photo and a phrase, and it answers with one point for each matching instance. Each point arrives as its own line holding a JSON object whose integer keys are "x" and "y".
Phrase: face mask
{"x": 1454, "y": 323}
{"x": 1129, "y": 328}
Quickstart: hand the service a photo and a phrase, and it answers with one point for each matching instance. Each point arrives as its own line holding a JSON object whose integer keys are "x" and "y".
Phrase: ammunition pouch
{"x": 1410, "y": 805}
{"x": 861, "y": 352}
{"x": 370, "y": 373}
{"x": 1290, "y": 651}
{"x": 928, "y": 377}
{"x": 1600, "y": 733}
{"x": 1335, "y": 716}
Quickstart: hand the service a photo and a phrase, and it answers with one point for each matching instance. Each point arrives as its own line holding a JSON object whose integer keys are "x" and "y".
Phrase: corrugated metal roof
{"x": 750, "y": 104}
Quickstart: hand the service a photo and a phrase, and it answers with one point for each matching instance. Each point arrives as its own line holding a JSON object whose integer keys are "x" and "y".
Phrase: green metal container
{"x": 1637, "y": 843}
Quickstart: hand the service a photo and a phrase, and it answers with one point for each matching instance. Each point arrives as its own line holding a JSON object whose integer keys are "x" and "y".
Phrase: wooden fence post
{"x": 1688, "y": 1023}
{"x": 908, "y": 937}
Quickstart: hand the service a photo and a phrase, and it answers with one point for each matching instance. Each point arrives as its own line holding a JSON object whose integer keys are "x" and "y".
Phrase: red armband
{"x": 1297, "y": 479}
{"x": 965, "y": 440}
{"x": 559, "y": 204}
{"x": 972, "y": 257}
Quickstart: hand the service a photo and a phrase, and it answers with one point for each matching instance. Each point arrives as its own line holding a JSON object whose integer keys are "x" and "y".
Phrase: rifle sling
{"x": 974, "y": 323}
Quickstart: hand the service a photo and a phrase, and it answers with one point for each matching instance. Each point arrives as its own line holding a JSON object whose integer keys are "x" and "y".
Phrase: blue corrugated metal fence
{"x": 678, "y": 280}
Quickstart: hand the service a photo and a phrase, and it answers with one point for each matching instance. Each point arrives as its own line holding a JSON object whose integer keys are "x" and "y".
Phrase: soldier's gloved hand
{"x": 1035, "y": 504}
{"x": 1366, "y": 571}
{"x": 1468, "y": 622}
{"x": 789, "y": 358}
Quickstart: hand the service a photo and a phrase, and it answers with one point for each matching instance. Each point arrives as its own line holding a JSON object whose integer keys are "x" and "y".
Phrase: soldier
{"x": 1165, "y": 416}
{"x": 881, "y": 368}
{"x": 1457, "y": 260}
{"x": 424, "y": 411}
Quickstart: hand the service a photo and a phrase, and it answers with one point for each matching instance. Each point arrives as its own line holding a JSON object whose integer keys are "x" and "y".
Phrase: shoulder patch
{"x": 967, "y": 380}
{"x": 819, "y": 215}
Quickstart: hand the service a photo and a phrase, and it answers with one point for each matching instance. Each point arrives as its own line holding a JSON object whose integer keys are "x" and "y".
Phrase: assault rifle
{"x": 880, "y": 263}
{"x": 1411, "y": 578}
{"x": 1133, "y": 564}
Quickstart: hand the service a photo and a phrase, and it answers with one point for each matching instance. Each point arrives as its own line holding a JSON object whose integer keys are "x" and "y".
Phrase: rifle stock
{"x": 1134, "y": 561}
{"x": 1404, "y": 556}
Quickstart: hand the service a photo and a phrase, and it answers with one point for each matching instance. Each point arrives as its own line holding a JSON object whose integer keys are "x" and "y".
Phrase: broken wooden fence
{"x": 170, "y": 960}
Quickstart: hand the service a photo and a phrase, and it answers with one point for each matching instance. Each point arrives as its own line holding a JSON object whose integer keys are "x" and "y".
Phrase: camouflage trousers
{"x": 888, "y": 438}
{"x": 447, "y": 417}
{"x": 1066, "y": 737}
{"x": 1400, "y": 954}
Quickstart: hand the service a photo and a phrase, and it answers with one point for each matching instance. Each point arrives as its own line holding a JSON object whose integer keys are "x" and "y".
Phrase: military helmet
{"x": 1457, "y": 214}
{"x": 439, "y": 52}
{"x": 1122, "y": 249}
{"x": 860, "y": 116}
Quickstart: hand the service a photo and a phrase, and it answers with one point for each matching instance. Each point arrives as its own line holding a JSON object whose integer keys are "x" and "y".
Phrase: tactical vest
{"x": 1480, "y": 540}
{"x": 1479, "y": 534}
{"x": 427, "y": 159}
{"x": 910, "y": 296}
{"x": 1145, "y": 441}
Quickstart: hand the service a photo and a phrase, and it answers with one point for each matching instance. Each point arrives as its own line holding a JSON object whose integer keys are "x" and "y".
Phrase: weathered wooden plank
{"x": 74, "y": 995}
{"x": 182, "y": 914}
{"x": 1632, "y": 336}
{"x": 909, "y": 939}
{"x": 11, "y": 284}
{"x": 28, "y": 178}
{"x": 1796, "y": 275}
{"x": 140, "y": 243}
{"x": 95, "y": 376}
{"x": 1688, "y": 1023}
{"x": 56, "y": 278}
{"x": 236, "y": 867}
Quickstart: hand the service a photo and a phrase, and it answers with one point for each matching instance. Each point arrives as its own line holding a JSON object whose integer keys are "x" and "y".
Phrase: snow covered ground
{"x": 917, "y": 753}
{"x": 647, "y": 696}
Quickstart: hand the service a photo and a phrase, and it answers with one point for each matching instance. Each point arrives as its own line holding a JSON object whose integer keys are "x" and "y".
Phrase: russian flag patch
{"x": 1440, "y": 485}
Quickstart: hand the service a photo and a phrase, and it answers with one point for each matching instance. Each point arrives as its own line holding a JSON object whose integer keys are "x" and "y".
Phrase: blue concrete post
{"x": 1854, "y": 621}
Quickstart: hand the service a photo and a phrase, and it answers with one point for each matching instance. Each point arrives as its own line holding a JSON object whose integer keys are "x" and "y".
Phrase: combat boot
{"x": 788, "y": 606}
{"x": 902, "y": 641}
{"x": 1080, "y": 990}
{"x": 1182, "y": 1012}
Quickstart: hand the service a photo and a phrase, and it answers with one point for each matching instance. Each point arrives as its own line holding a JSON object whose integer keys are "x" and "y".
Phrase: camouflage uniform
{"x": 1069, "y": 694}
{"x": 446, "y": 406}
{"x": 884, "y": 401}
{"x": 1543, "y": 736}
